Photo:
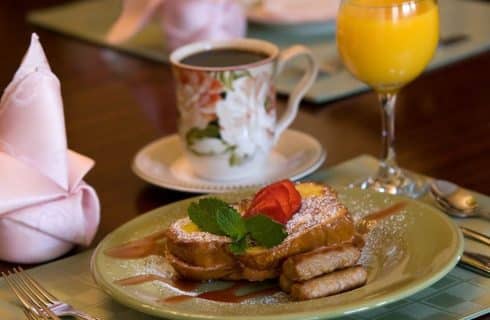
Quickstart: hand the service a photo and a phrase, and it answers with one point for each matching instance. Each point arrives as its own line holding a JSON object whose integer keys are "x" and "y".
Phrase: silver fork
{"x": 28, "y": 299}
{"x": 33, "y": 316}
{"x": 35, "y": 295}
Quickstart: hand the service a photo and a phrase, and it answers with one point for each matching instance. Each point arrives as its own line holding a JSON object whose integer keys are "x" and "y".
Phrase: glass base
{"x": 397, "y": 182}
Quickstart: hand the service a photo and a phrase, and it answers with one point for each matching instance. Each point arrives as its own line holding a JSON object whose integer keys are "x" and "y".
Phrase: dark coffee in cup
{"x": 224, "y": 58}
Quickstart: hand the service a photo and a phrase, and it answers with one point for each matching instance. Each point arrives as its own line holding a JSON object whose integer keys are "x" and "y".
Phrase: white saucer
{"x": 162, "y": 163}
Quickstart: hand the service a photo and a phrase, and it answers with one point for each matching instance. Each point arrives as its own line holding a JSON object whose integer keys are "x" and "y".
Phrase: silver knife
{"x": 477, "y": 236}
{"x": 476, "y": 262}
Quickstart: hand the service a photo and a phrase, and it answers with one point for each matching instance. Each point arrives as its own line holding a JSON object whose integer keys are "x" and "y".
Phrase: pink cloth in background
{"x": 182, "y": 21}
{"x": 135, "y": 15}
{"x": 297, "y": 11}
{"x": 45, "y": 206}
{"x": 186, "y": 21}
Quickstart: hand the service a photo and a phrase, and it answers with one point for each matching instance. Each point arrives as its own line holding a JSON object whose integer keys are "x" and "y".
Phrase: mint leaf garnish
{"x": 239, "y": 247}
{"x": 204, "y": 212}
{"x": 218, "y": 217}
{"x": 265, "y": 231}
{"x": 231, "y": 223}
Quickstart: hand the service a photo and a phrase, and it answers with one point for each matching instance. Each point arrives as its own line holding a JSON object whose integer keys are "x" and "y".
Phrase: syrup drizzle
{"x": 225, "y": 295}
{"x": 369, "y": 222}
{"x": 386, "y": 212}
{"x": 180, "y": 284}
{"x": 140, "y": 248}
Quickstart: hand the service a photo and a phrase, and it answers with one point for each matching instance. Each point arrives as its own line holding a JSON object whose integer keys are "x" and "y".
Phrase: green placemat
{"x": 91, "y": 19}
{"x": 459, "y": 295}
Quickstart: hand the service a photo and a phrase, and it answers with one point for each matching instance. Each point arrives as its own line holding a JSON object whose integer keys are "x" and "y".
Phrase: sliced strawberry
{"x": 265, "y": 192}
{"x": 281, "y": 194}
{"x": 279, "y": 201}
{"x": 266, "y": 195}
{"x": 285, "y": 192}
{"x": 262, "y": 193}
{"x": 271, "y": 208}
{"x": 294, "y": 196}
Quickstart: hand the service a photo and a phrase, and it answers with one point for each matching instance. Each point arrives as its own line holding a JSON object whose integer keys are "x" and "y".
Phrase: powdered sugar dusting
{"x": 314, "y": 211}
{"x": 385, "y": 245}
{"x": 279, "y": 297}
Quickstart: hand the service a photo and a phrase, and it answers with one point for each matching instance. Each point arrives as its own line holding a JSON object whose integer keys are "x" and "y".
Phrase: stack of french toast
{"x": 316, "y": 254}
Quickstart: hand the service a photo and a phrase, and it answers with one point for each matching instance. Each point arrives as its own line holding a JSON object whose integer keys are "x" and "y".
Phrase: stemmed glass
{"x": 387, "y": 44}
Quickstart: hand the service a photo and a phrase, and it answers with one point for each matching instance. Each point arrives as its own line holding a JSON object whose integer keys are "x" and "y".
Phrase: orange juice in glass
{"x": 387, "y": 44}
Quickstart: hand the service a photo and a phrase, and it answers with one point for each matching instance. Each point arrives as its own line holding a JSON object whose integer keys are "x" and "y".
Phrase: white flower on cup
{"x": 242, "y": 124}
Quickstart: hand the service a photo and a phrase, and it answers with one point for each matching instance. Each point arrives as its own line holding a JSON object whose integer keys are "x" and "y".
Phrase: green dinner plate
{"x": 405, "y": 253}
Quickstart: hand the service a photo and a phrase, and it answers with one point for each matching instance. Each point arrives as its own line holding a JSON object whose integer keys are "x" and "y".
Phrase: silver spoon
{"x": 456, "y": 201}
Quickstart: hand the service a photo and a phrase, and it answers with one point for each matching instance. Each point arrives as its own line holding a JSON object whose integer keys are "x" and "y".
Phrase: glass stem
{"x": 388, "y": 164}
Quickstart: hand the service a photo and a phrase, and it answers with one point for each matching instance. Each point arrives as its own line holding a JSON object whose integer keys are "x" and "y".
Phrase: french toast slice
{"x": 192, "y": 272}
{"x": 194, "y": 247}
{"x": 223, "y": 272}
{"x": 328, "y": 230}
{"x": 300, "y": 268}
{"x": 325, "y": 285}
{"x": 320, "y": 261}
{"x": 321, "y": 221}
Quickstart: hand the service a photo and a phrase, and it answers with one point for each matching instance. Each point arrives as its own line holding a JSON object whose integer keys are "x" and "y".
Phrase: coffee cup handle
{"x": 300, "y": 90}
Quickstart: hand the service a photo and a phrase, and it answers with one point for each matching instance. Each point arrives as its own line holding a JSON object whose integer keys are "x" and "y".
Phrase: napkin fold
{"x": 45, "y": 206}
{"x": 183, "y": 21}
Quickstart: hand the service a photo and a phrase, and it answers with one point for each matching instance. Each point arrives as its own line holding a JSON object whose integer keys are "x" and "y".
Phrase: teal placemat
{"x": 459, "y": 295}
{"x": 91, "y": 19}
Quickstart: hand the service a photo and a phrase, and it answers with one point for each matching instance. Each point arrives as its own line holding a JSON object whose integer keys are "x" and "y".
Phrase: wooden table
{"x": 115, "y": 104}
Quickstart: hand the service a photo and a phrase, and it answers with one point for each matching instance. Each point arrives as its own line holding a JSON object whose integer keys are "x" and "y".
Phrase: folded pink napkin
{"x": 183, "y": 21}
{"x": 45, "y": 206}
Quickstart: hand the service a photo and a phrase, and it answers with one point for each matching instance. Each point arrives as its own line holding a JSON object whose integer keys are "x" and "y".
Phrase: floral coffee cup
{"x": 227, "y": 119}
